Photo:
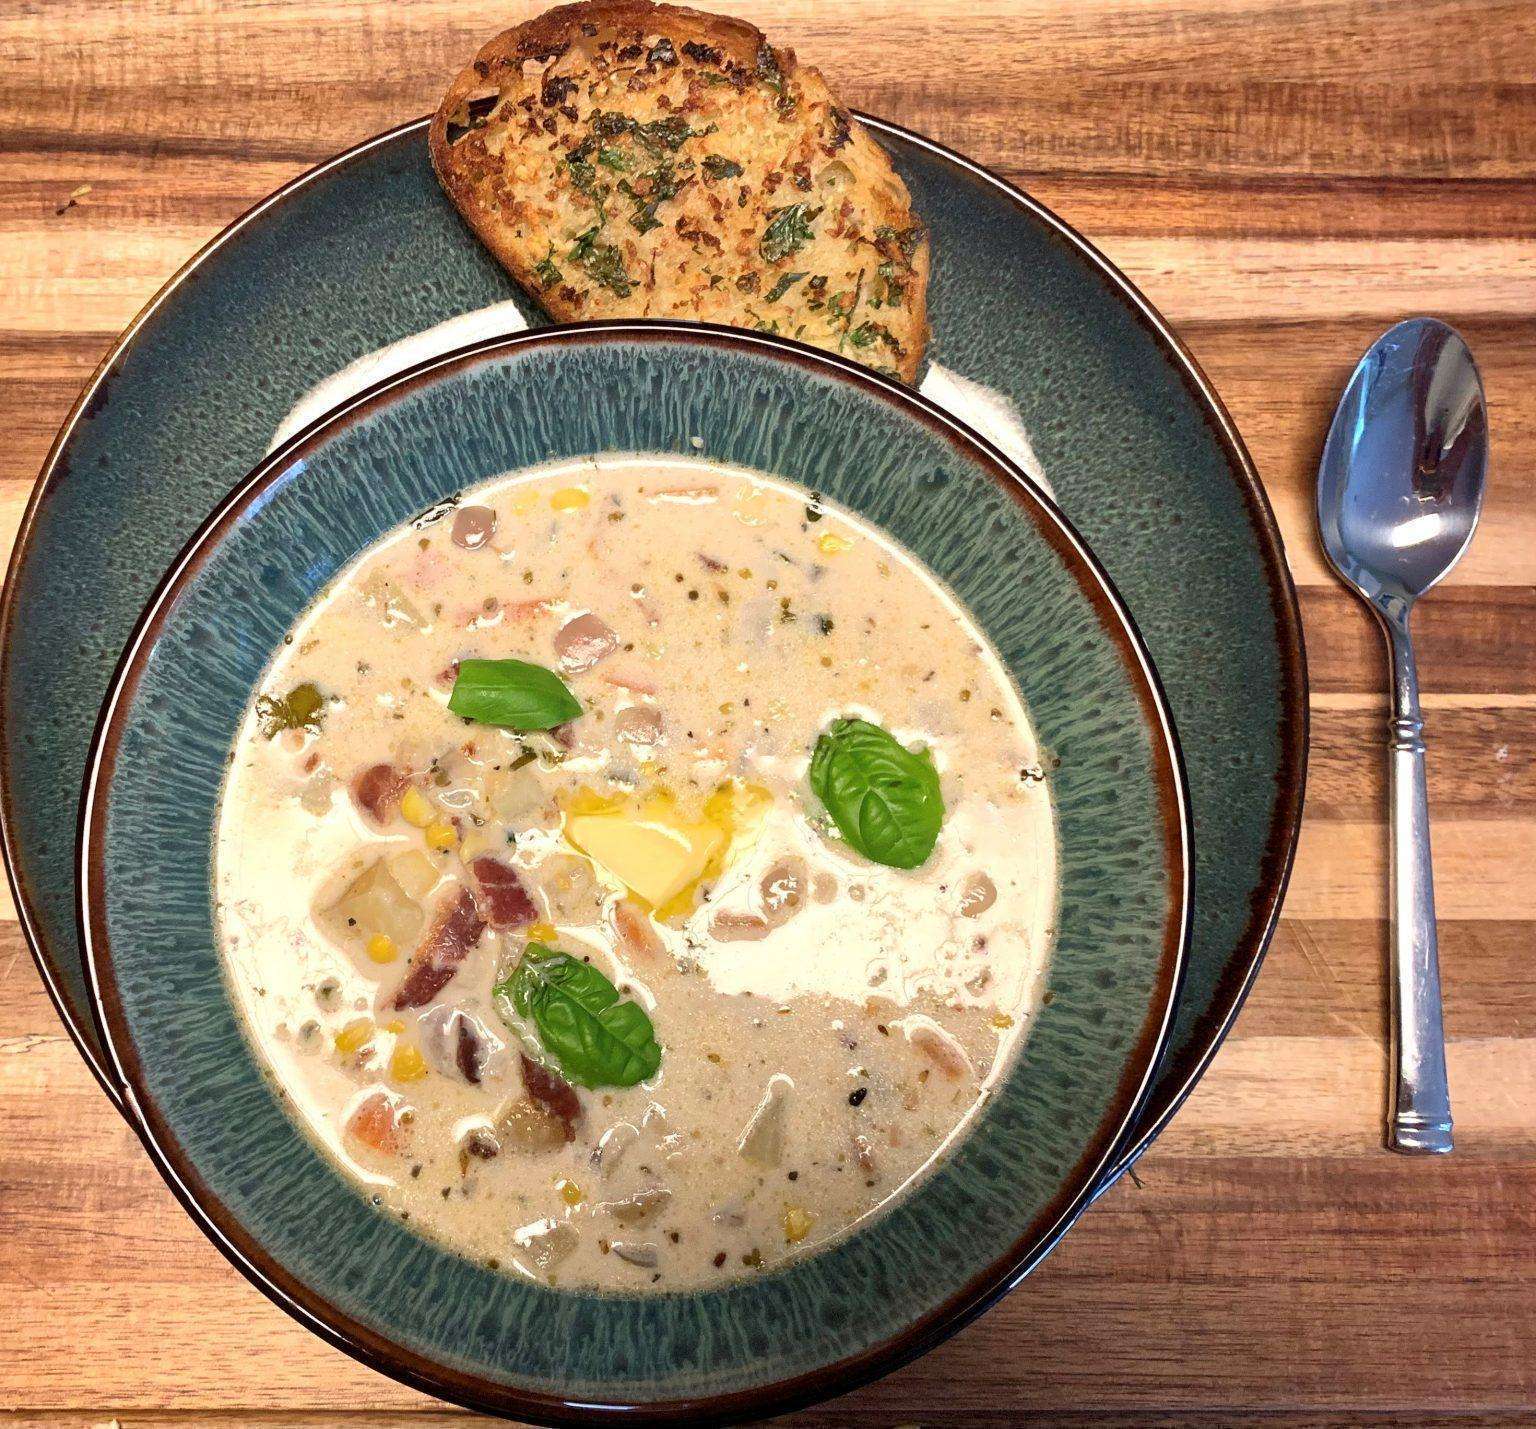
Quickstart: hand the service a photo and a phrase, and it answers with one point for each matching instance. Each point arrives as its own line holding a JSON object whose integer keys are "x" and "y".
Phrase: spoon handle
{"x": 1421, "y": 1100}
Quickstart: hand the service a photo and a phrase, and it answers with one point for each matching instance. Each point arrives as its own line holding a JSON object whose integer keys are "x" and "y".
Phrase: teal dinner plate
{"x": 365, "y": 250}
{"x": 207, "y": 1111}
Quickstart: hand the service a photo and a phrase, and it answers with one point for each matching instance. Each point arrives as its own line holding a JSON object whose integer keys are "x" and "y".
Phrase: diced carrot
{"x": 376, "y": 1123}
{"x": 636, "y": 931}
{"x": 634, "y": 683}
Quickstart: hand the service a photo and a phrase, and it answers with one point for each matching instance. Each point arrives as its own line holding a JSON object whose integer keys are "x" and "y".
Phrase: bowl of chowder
{"x": 635, "y": 868}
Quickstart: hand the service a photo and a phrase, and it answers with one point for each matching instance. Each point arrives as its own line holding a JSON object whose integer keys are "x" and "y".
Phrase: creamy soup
{"x": 636, "y": 872}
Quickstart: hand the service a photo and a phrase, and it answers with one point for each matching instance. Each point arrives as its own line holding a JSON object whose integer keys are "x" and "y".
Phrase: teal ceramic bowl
{"x": 215, "y": 1125}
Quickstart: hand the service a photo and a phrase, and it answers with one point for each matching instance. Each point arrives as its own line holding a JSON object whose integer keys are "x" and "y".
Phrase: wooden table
{"x": 1283, "y": 180}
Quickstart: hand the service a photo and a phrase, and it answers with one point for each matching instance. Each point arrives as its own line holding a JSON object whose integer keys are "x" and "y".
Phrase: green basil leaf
{"x": 596, "y": 1038}
{"x": 884, "y": 798}
{"x": 512, "y": 694}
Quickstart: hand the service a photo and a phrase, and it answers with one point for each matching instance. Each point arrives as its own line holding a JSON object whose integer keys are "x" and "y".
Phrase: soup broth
{"x": 700, "y": 974}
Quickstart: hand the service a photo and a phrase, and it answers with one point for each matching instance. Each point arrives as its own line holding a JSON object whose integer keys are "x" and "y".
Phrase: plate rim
{"x": 377, "y": 1349}
{"x": 1242, "y": 966}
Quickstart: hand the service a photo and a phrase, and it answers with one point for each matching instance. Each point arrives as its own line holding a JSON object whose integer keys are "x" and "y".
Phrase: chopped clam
{"x": 644, "y": 1256}
{"x": 473, "y": 526}
{"x": 977, "y": 894}
{"x": 732, "y": 1213}
{"x": 762, "y": 1143}
{"x": 634, "y": 1209}
{"x": 639, "y": 725}
{"x": 730, "y": 927}
{"x": 783, "y": 888}
{"x": 458, "y": 1044}
{"x": 612, "y": 1146}
{"x": 528, "y": 1127}
{"x": 938, "y": 1047}
{"x": 543, "y": 1244}
{"x": 582, "y": 642}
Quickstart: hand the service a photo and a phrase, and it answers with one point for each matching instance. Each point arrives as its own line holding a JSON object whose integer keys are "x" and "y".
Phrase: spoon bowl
{"x": 1401, "y": 483}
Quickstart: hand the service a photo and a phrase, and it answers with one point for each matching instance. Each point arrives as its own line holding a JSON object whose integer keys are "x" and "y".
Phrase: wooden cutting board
{"x": 1283, "y": 180}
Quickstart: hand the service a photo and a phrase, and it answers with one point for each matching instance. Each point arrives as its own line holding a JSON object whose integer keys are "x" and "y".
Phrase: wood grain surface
{"x": 1283, "y": 178}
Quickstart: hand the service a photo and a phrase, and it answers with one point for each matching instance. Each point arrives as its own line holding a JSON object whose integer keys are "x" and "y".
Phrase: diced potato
{"x": 416, "y": 874}
{"x": 514, "y": 794}
{"x": 375, "y": 903}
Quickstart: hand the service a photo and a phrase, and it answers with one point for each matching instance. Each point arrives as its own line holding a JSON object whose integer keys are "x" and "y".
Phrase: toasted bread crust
{"x": 622, "y": 158}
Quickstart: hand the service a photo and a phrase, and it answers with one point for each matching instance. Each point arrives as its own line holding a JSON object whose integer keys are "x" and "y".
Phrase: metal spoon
{"x": 1398, "y": 497}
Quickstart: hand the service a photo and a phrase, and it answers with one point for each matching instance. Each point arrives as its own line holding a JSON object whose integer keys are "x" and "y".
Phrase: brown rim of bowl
{"x": 1241, "y": 967}
{"x": 474, "y": 1391}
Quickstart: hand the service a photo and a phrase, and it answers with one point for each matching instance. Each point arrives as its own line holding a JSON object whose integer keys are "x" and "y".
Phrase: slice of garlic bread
{"x": 625, "y": 159}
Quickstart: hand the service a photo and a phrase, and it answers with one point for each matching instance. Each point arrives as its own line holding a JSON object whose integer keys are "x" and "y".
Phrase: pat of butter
{"x": 651, "y": 850}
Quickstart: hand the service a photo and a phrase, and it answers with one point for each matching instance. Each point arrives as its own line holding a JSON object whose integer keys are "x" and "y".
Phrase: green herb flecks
{"x": 615, "y": 159}
{"x": 785, "y": 283}
{"x": 660, "y": 136}
{"x": 884, "y": 798}
{"x": 717, "y": 166}
{"x": 596, "y": 1037}
{"x": 512, "y": 694}
{"x": 789, "y": 229}
{"x": 546, "y": 271}
{"x": 661, "y": 183}
{"x": 303, "y": 707}
{"x": 602, "y": 262}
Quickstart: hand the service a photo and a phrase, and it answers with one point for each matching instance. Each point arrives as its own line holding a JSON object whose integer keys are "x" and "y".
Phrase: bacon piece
{"x": 564, "y": 734}
{"x": 553, "y": 1093}
{"x": 467, "y": 1051}
{"x": 454, "y": 932}
{"x": 505, "y": 900}
{"x": 377, "y": 790}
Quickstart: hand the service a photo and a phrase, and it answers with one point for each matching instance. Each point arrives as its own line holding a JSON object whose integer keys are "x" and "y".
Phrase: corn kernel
{"x": 415, "y": 809}
{"x": 407, "y": 1064}
{"x": 353, "y": 1036}
{"x": 829, "y": 543}
{"x": 441, "y": 835}
{"x": 570, "y": 1193}
{"x": 1001, "y": 1020}
{"x": 381, "y": 948}
{"x": 570, "y": 498}
{"x": 542, "y": 933}
{"x": 797, "y": 1224}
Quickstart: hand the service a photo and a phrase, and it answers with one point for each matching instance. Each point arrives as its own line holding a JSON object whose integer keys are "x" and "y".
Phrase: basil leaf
{"x": 597, "y": 1039}
{"x": 512, "y": 694}
{"x": 884, "y": 798}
